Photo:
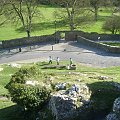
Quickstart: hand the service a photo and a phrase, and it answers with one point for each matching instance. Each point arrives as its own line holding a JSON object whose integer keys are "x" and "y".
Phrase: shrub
{"x": 30, "y": 97}
{"x": 19, "y": 76}
{"x": 112, "y": 24}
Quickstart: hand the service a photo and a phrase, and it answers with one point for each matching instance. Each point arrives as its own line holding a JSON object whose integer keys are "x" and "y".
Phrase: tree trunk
{"x": 28, "y": 33}
{"x": 71, "y": 27}
{"x": 96, "y": 13}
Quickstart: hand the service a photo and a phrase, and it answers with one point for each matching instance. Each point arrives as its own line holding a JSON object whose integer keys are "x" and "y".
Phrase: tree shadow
{"x": 44, "y": 26}
{"x": 93, "y": 49}
{"x": 11, "y": 113}
{"x": 103, "y": 95}
{"x": 103, "y": 18}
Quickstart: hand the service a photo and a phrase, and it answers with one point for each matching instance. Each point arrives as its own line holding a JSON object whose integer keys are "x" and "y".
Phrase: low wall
{"x": 26, "y": 41}
{"x": 98, "y": 45}
{"x": 92, "y": 36}
{"x": 1, "y": 45}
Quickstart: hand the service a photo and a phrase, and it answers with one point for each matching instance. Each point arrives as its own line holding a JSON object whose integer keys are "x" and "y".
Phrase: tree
{"x": 23, "y": 11}
{"x": 72, "y": 8}
{"x": 112, "y": 24}
{"x": 2, "y": 12}
{"x": 96, "y": 4}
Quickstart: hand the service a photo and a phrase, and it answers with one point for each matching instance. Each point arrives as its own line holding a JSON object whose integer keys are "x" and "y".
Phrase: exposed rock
{"x": 78, "y": 80}
{"x": 116, "y": 106}
{"x": 67, "y": 104}
{"x": 103, "y": 77}
{"x": 33, "y": 83}
{"x": 15, "y": 65}
{"x": 115, "y": 115}
{"x": 1, "y": 69}
{"x": 60, "y": 86}
{"x": 112, "y": 116}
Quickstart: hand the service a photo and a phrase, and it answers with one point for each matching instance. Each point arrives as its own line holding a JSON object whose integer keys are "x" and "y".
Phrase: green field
{"x": 89, "y": 75}
{"x": 46, "y": 25}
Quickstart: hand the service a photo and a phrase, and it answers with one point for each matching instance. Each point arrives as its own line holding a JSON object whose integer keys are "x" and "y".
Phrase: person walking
{"x": 58, "y": 60}
{"x": 50, "y": 60}
{"x": 71, "y": 61}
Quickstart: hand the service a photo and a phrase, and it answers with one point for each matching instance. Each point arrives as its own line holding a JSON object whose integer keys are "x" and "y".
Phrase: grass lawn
{"x": 88, "y": 75}
{"x": 46, "y": 25}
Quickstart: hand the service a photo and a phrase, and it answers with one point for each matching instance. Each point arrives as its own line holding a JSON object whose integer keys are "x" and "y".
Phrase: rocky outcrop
{"x": 68, "y": 104}
{"x": 115, "y": 115}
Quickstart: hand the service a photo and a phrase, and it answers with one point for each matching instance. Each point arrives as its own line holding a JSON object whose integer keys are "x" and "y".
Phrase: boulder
{"x": 112, "y": 116}
{"x": 60, "y": 86}
{"x": 68, "y": 104}
{"x": 115, "y": 115}
{"x": 32, "y": 82}
{"x": 15, "y": 65}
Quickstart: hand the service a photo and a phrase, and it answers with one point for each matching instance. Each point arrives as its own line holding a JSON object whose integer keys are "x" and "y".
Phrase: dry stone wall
{"x": 92, "y": 36}
{"x": 26, "y": 41}
{"x": 98, "y": 45}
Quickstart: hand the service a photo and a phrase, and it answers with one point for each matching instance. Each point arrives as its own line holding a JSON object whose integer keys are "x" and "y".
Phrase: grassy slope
{"x": 8, "y": 109}
{"x": 46, "y": 25}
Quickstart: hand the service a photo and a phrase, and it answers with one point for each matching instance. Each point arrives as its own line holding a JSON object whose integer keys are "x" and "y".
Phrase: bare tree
{"x": 2, "y": 3}
{"x": 96, "y": 4}
{"x": 112, "y": 24}
{"x": 23, "y": 11}
{"x": 73, "y": 9}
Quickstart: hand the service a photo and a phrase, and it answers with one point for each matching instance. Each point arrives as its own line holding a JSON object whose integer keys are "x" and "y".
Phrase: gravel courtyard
{"x": 63, "y": 50}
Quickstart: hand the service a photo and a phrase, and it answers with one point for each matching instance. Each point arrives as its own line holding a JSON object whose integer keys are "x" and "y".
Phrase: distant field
{"x": 46, "y": 25}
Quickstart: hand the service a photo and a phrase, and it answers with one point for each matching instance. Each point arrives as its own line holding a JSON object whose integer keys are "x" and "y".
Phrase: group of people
{"x": 50, "y": 60}
{"x": 58, "y": 60}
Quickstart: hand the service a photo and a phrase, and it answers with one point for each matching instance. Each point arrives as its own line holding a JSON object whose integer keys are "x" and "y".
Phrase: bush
{"x": 19, "y": 76}
{"x": 112, "y": 24}
{"x": 30, "y": 97}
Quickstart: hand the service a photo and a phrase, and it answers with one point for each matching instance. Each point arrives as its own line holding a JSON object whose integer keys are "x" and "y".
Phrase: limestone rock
{"x": 116, "y": 106}
{"x": 1, "y": 69}
{"x": 33, "y": 83}
{"x": 15, "y": 65}
{"x": 115, "y": 115}
{"x": 112, "y": 116}
{"x": 67, "y": 104}
{"x": 60, "y": 86}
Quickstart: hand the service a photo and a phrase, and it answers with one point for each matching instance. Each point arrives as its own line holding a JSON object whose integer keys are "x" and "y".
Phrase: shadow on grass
{"x": 44, "y": 26}
{"x": 15, "y": 112}
{"x": 102, "y": 18}
{"x": 11, "y": 113}
{"x": 103, "y": 95}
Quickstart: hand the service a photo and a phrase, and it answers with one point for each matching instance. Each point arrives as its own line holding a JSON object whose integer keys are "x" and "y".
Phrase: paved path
{"x": 77, "y": 52}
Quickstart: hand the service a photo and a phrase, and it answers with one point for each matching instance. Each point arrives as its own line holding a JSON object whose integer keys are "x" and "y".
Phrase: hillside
{"x": 46, "y": 24}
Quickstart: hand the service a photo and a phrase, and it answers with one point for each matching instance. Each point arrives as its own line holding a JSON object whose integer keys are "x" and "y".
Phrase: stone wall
{"x": 92, "y": 36}
{"x": 98, "y": 45}
{"x": 25, "y": 41}
{"x": 0, "y": 45}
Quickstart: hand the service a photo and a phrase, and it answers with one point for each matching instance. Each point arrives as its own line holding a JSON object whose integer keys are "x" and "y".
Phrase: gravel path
{"x": 77, "y": 52}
